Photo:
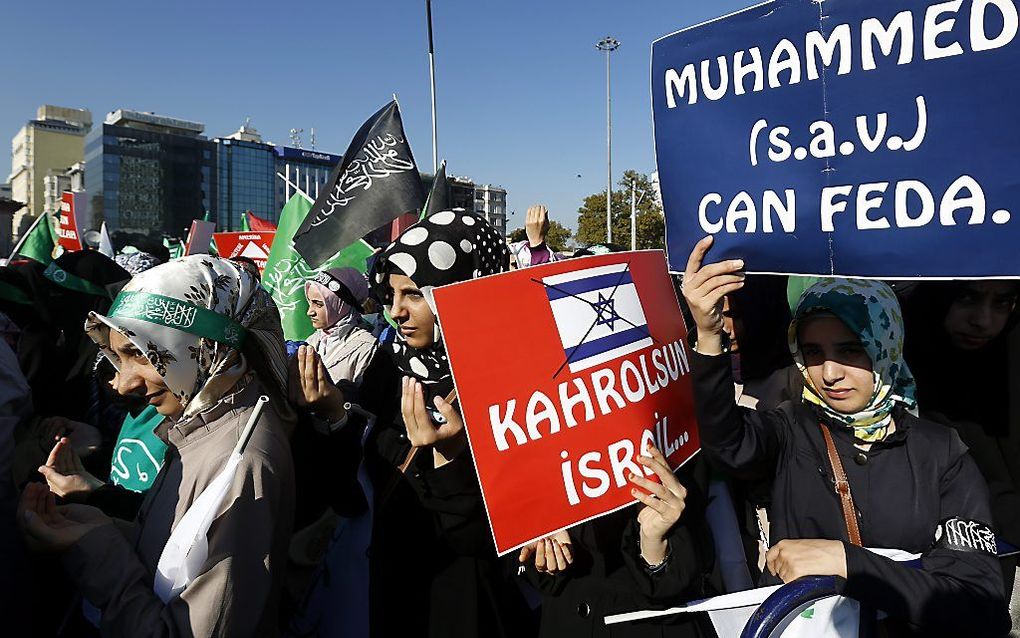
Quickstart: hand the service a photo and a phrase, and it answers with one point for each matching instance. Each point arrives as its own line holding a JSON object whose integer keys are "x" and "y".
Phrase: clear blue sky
{"x": 521, "y": 88}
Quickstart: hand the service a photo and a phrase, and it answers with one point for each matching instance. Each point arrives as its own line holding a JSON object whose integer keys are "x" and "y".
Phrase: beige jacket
{"x": 237, "y": 593}
{"x": 346, "y": 352}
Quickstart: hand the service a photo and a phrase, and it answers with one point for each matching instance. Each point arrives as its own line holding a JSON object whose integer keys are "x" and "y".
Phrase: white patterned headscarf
{"x": 191, "y": 317}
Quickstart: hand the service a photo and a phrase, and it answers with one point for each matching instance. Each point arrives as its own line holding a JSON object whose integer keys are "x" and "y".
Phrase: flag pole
{"x": 24, "y": 235}
{"x": 249, "y": 428}
{"x": 432, "y": 81}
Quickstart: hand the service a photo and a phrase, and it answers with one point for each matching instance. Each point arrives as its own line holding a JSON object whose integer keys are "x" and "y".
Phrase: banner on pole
{"x": 199, "y": 237}
{"x": 593, "y": 370}
{"x": 376, "y": 182}
{"x": 845, "y": 137}
{"x": 72, "y": 205}
{"x": 253, "y": 245}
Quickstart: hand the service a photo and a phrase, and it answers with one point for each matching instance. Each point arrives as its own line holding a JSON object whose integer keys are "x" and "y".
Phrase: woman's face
{"x": 412, "y": 313}
{"x": 979, "y": 313}
{"x": 316, "y": 308}
{"x": 837, "y": 363}
{"x": 137, "y": 376}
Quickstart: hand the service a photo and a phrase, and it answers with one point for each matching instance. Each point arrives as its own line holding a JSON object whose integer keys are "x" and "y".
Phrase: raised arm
{"x": 745, "y": 443}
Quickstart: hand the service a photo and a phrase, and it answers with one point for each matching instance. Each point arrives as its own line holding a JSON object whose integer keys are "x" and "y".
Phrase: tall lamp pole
{"x": 609, "y": 44}
{"x": 634, "y": 201}
{"x": 432, "y": 82}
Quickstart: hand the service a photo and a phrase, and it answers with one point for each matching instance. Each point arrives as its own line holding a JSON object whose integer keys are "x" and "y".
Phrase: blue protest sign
{"x": 844, "y": 137}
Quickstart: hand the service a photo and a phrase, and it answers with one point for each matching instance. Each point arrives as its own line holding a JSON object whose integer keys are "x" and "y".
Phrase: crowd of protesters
{"x": 836, "y": 416}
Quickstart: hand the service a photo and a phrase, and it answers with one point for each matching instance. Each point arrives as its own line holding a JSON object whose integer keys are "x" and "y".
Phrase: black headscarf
{"x": 762, "y": 315}
{"x": 54, "y": 352}
{"x": 444, "y": 248}
{"x": 963, "y": 385}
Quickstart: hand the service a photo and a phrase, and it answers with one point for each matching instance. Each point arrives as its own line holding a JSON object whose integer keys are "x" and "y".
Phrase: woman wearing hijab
{"x": 421, "y": 538}
{"x": 341, "y": 338}
{"x": 961, "y": 346}
{"x": 54, "y": 352}
{"x": 201, "y": 341}
{"x": 903, "y": 483}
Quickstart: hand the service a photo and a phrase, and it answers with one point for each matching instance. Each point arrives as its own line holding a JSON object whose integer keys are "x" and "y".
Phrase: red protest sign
{"x": 570, "y": 371}
{"x": 252, "y": 244}
{"x": 71, "y": 205}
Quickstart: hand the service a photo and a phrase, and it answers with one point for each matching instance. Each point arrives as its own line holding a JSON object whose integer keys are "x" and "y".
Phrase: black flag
{"x": 376, "y": 182}
{"x": 439, "y": 195}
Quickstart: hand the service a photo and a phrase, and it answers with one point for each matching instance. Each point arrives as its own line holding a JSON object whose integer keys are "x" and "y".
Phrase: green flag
{"x": 175, "y": 246}
{"x": 286, "y": 271}
{"x": 39, "y": 242}
{"x": 244, "y": 222}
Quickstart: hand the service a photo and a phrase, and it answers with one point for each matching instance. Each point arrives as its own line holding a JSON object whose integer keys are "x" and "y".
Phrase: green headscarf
{"x": 870, "y": 310}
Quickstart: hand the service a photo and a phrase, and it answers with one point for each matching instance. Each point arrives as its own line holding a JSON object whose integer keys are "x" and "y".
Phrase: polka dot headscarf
{"x": 444, "y": 248}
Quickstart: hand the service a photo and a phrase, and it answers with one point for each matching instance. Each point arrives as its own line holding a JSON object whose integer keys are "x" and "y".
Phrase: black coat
{"x": 609, "y": 577}
{"x": 903, "y": 488}
{"x": 432, "y": 562}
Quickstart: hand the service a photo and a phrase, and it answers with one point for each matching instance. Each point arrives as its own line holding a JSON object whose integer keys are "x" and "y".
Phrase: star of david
{"x": 606, "y": 311}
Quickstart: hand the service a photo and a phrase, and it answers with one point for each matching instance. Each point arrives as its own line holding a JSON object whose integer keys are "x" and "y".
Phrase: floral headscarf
{"x": 444, "y": 248}
{"x": 870, "y": 310}
{"x": 137, "y": 262}
{"x": 190, "y": 318}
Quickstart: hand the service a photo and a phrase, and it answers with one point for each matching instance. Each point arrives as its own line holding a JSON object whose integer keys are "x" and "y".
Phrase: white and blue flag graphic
{"x": 598, "y": 315}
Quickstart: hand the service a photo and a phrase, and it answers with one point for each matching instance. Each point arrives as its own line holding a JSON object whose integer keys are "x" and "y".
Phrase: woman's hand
{"x": 65, "y": 474}
{"x": 84, "y": 438}
{"x": 663, "y": 503}
{"x": 48, "y": 528}
{"x": 704, "y": 289}
{"x": 446, "y": 439}
{"x": 553, "y": 554}
{"x": 790, "y": 559}
{"x": 312, "y": 388}
{"x": 536, "y": 225}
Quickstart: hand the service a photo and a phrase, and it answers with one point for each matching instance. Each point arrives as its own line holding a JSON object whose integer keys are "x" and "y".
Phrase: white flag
{"x": 105, "y": 244}
{"x": 188, "y": 548}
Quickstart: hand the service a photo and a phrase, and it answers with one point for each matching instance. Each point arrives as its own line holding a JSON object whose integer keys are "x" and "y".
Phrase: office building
{"x": 57, "y": 181}
{"x": 462, "y": 192}
{"x": 490, "y": 204}
{"x": 7, "y": 209}
{"x": 298, "y": 168}
{"x": 54, "y": 140}
{"x": 146, "y": 174}
{"x": 246, "y": 168}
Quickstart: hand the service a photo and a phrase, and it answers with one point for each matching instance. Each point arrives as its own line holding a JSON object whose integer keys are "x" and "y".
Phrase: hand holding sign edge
{"x": 662, "y": 505}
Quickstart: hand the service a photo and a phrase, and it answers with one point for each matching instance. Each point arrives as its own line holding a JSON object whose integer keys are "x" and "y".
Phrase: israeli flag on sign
{"x": 598, "y": 315}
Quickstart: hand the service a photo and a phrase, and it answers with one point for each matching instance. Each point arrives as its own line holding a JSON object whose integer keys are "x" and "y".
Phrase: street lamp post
{"x": 634, "y": 201}
{"x": 609, "y": 44}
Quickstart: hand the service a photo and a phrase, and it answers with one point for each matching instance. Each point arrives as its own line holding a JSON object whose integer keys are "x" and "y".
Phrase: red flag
{"x": 259, "y": 224}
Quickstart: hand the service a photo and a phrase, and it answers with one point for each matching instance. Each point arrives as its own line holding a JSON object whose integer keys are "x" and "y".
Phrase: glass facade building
{"x": 247, "y": 174}
{"x": 299, "y": 168}
{"x": 147, "y": 174}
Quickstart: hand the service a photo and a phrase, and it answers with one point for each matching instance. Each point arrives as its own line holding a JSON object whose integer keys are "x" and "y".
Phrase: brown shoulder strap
{"x": 842, "y": 488}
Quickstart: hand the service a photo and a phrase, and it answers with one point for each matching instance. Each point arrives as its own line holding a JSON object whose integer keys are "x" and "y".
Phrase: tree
{"x": 558, "y": 237}
{"x": 651, "y": 228}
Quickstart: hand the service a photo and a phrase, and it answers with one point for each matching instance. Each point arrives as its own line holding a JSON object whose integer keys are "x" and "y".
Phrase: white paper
{"x": 831, "y": 617}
